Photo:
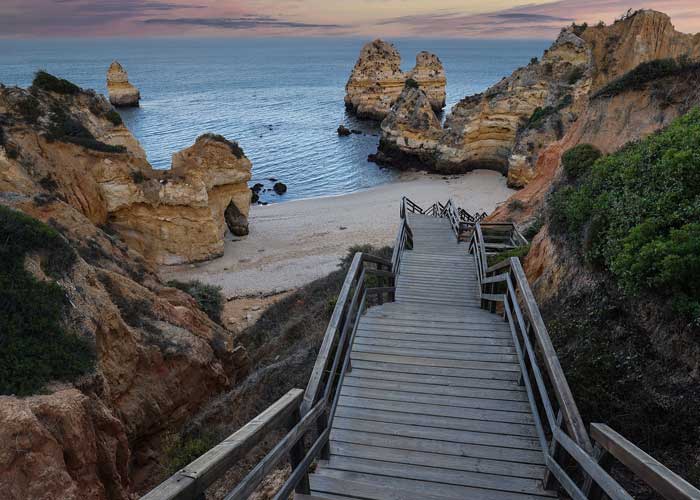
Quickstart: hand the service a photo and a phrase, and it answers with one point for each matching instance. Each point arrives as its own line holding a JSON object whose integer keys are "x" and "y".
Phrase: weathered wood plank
{"x": 429, "y": 365}
{"x": 323, "y": 485}
{"x": 435, "y": 337}
{"x": 422, "y": 472}
{"x": 471, "y": 450}
{"x": 457, "y": 463}
{"x": 455, "y": 423}
{"x": 456, "y": 376}
{"x": 440, "y": 390}
{"x": 503, "y": 362}
{"x": 382, "y": 371}
{"x": 427, "y": 342}
{"x": 420, "y": 488}
{"x": 516, "y": 411}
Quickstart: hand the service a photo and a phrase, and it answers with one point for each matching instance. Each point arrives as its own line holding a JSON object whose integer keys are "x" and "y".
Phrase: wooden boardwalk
{"x": 432, "y": 408}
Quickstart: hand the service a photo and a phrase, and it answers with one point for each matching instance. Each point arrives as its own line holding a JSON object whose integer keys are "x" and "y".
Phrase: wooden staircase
{"x": 432, "y": 407}
{"x": 436, "y": 379}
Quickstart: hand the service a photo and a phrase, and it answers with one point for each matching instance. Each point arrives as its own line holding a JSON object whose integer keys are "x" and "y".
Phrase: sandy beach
{"x": 293, "y": 243}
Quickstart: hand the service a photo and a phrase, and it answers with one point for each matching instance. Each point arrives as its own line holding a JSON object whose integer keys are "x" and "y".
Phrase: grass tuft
{"x": 209, "y": 297}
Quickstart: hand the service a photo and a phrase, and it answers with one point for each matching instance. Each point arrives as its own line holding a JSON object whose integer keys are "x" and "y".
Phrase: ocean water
{"x": 281, "y": 99}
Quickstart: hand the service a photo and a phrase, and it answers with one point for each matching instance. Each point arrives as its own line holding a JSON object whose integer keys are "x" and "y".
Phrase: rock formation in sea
{"x": 74, "y": 146}
{"x": 68, "y": 162}
{"x": 508, "y": 126}
{"x": 411, "y": 131}
{"x": 121, "y": 92}
{"x": 376, "y": 80}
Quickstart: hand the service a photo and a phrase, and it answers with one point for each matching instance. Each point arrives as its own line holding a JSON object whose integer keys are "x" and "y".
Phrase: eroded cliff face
{"x": 67, "y": 161}
{"x": 376, "y": 80}
{"x": 75, "y": 147}
{"x": 512, "y": 125}
{"x": 158, "y": 359}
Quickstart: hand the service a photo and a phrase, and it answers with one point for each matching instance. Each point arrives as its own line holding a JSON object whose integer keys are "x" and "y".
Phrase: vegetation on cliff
{"x": 647, "y": 72}
{"x": 48, "y": 82}
{"x": 35, "y": 347}
{"x": 209, "y": 297}
{"x": 636, "y": 214}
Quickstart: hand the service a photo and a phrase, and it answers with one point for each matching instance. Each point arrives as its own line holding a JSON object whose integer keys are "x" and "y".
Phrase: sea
{"x": 280, "y": 99}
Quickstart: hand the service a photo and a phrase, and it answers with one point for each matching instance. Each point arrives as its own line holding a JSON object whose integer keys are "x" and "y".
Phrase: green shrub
{"x": 65, "y": 128}
{"x": 35, "y": 348}
{"x": 574, "y": 75}
{"x": 531, "y": 231}
{"x": 45, "y": 81}
{"x": 540, "y": 114}
{"x": 138, "y": 177}
{"x": 29, "y": 108}
{"x": 637, "y": 78}
{"x": 114, "y": 117}
{"x": 233, "y": 145}
{"x": 516, "y": 204}
{"x": 636, "y": 214}
{"x": 180, "y": 450}
{"x": 519, "y": 252}
{"x": 579, "y": 160}
{"x": 534, "y": 60}
{"x": 209, "y": 297}
{"x": 411, "y": 84}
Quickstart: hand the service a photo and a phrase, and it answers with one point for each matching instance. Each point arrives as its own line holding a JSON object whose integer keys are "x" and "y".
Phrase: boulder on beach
{"x": 121, "y": 92}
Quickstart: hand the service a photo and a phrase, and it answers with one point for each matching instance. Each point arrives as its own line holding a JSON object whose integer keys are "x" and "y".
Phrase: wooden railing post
{"x": 296, "y": 454}
{"x": 590, "y": 488}
{"x": 555, "y": 451}
{"x": 322, "y": 424}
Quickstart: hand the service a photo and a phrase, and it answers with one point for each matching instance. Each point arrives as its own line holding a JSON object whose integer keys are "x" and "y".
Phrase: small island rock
{"x": 121, "y": 92}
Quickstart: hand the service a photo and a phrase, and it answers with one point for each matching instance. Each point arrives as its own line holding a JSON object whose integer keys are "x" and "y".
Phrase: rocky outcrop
{"x": 158, "y": 359}
{"x": 376, "y": 80}
{"x": 410, "y": 133}
{"x": 79, "y": 151}
{"x": 508, "y": 127}
{"x": 67, "y": 161}
{"x": 430, "y": 76}
{"x": 121, "y": 92}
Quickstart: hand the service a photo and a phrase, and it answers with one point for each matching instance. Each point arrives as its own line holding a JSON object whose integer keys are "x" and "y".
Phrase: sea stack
{"x": 376, "y": 81}
{"x": 121, "y": 93}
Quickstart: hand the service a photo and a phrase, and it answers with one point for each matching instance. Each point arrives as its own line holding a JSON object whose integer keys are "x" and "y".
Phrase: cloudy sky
{"x": 363, "y": 18}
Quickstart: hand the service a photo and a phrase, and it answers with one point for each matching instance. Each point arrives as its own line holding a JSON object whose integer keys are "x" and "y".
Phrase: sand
{"x": 293, "y": 243}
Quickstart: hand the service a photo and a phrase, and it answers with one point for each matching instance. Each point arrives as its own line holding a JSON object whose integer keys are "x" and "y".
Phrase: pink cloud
{"x": 35, "y": 18}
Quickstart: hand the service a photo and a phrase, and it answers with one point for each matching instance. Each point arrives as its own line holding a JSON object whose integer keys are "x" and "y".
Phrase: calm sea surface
{"x": 281, "y": 99}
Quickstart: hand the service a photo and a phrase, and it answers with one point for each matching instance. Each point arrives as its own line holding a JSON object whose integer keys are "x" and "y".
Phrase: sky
{"x": 303, "y": 18}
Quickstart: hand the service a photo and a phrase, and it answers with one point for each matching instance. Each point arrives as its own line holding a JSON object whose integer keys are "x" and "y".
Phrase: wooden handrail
{"x": 562, "y": 391}
{"x": 336, "y": 323}
{"x": 190, "y": 482}
{"x": 270, "y": 462}
{"x": 525, "y": 320}
{"x": 660, "y": 478}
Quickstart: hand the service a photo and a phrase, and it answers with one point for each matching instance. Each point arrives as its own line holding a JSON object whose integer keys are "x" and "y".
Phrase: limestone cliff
{"x": 411, "y": 131}
{"x": 508, "y": 127}
{"x": 158, "y": 359}
{"x": 121, "y": 92}
{"x": 76, "y": 148}
{"x": 376, "y": 80}
{"x": 66, "y": 160}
